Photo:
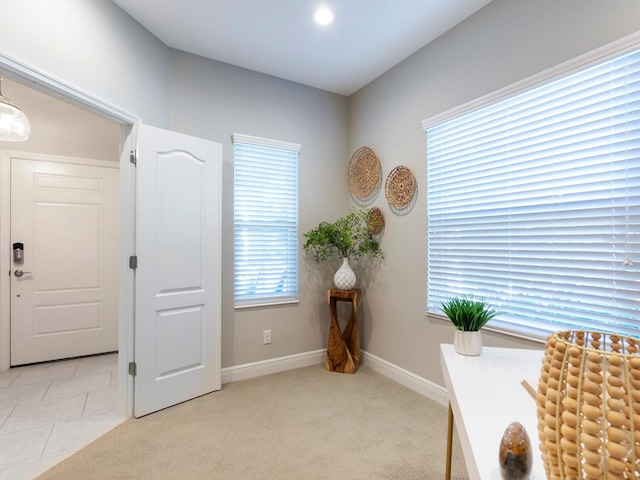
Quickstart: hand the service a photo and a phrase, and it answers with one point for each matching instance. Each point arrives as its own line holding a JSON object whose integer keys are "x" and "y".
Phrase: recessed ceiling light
{"x": 323, "y": 16}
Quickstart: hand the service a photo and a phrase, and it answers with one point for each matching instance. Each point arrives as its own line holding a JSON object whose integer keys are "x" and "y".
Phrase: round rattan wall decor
{"x": 375, "y": 220}
{"x": 400, "y": 187}
{"x": 365, "y": 173}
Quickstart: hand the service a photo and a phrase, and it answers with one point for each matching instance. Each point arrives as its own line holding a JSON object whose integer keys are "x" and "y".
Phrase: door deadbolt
{"x": 19, "y": 273}
{"x": 18, "y": 253}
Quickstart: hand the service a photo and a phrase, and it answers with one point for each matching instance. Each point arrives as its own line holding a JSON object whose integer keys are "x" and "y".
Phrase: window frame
{"x": 276, "y": 299}
{"x": 602, "y": 54}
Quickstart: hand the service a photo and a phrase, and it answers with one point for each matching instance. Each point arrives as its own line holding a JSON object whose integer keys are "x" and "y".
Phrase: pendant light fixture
{"x": 14, "y": 125}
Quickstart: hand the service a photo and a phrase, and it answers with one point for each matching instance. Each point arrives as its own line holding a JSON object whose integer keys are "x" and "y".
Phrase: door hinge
{"x": 133, "y": 368}
{"x": 133, "y": 157}
{"x": 133, "y": 262}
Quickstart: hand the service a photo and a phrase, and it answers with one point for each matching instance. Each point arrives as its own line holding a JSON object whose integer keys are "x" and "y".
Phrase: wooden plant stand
{"x": 343, "y": 349}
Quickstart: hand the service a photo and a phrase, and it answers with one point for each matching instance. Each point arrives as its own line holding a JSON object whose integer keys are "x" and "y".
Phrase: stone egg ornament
{"x": 516, "y": 456}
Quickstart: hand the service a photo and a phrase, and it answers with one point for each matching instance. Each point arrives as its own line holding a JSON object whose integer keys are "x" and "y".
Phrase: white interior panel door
{"x": 178, "y": 315}
{"x": 64, "y": 295}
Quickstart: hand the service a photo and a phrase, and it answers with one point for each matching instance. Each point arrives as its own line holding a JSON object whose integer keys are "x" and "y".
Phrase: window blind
{"x": 533, "y": 204}
{"x": 265, "y": 220}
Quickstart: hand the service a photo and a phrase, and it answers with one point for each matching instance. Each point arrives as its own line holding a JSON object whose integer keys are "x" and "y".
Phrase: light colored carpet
{"x": 301, "y": 424}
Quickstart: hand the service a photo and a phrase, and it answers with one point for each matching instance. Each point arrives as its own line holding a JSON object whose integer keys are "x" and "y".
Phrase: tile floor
{"x": 51, "y": 410}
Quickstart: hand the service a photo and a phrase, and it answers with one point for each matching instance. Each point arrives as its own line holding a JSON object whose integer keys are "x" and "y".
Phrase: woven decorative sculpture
{"x": 400, "y": 187}
{"x": 375, "y": 220}
{"x": 589, "y": 406}
{"x": 365, "y": 173}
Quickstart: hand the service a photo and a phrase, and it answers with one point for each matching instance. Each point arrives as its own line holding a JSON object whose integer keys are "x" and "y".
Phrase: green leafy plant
{"x": 347, "y": 237}
{"x": 467, "y": 314}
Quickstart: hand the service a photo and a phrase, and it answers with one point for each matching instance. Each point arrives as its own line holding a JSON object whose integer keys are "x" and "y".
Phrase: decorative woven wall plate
{"x": 400, "y": 187}
{"x": 364, "y": 173}
{"x": 375, "y": 220}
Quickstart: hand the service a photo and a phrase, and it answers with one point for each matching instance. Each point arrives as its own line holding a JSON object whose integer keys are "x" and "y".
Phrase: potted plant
{"x": 468, "y": 316}
{"x": 349, "y": 238}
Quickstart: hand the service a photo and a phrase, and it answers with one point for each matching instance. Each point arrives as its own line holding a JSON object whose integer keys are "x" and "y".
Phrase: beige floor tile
{"x": 51, "y": 410}
{"x": 69, "y": 437}
{"x": 102, "y": 401}
{"x": 29, "y": 471}
{"x": 23, "y": 394}
{"x": 4, "y": 413}
{"x": 99, "y": 363}
{"x": 114, "y": 379}
{"x": 78, "y": 384}
{"x": 22, "y": 447}
{"x": 44, "y": 413}
{"x": 45, "y": 372}
{"x": 7, "y": 377}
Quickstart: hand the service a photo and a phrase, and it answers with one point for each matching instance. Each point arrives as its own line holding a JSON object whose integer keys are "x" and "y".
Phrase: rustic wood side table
{"x": 343, "y": 349}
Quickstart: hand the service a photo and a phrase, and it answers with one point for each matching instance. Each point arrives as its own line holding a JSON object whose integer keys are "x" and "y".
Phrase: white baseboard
{"x": 273, "y": 365}
{"x": 406, "y": 378}
{"x": 389, "y": 370}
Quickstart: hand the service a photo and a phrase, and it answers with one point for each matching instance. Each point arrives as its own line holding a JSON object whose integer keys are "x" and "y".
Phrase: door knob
{"x": 19, "y": 273}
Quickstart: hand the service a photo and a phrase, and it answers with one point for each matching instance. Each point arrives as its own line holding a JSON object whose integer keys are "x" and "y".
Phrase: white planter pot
{"x": 467, "y": 343}
{"x": 345, "y": 278}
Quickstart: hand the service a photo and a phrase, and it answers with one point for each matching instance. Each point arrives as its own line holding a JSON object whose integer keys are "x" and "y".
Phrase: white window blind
{"x": 534, "y": 204}
{"x": 265, "y": 220}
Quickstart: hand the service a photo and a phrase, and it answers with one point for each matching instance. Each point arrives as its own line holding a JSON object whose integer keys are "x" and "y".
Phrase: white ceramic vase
{"x": 467, "y": 343}
{"x": 345, "y": 278}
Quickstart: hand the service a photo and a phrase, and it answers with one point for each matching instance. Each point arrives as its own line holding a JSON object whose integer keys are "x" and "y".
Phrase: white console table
{"x": 485, "y": 396}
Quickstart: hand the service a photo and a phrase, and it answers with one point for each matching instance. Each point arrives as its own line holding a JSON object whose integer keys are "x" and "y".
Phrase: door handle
{"x": 19, "y": 273}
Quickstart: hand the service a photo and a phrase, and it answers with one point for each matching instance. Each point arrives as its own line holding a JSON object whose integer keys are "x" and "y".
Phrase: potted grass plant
{"x": 468, "y": 316}
{"x": 349, "y": 237}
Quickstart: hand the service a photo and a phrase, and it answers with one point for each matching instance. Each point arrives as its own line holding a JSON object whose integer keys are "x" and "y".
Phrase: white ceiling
{"x": 280, "y": 38}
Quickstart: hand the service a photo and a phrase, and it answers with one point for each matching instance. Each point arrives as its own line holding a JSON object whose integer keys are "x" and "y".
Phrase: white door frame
{"x": 22, "y": 72}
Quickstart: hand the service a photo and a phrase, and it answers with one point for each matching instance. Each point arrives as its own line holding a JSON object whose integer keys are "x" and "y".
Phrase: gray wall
{"x": 214, "y": 100}
{"x": 506, "y": 41}
{"x": 94, "y": 46}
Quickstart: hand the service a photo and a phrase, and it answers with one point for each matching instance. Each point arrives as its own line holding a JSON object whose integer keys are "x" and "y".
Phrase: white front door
{"x": 177, "y": 307}
{"x": 64, "y": 295}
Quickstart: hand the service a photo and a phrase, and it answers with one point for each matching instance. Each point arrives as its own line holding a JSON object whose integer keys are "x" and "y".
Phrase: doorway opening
{"x": 53, "y": 94}
{"x": 174, "y": 300}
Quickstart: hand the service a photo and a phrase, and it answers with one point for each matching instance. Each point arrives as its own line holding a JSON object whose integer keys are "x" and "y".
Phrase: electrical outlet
{"x": 266, "y": 337}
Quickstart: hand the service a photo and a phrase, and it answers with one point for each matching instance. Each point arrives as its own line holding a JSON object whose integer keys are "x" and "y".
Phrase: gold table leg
{"x": 447, "y": 475}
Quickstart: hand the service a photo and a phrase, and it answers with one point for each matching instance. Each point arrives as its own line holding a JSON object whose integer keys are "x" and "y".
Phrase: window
{"x": 533, "y": 203}
{"x": 265, "y": 219}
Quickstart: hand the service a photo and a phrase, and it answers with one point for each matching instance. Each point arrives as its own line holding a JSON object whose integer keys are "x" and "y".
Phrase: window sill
{"x": 501, "y": 330}
{"x": 268, "y": 303}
